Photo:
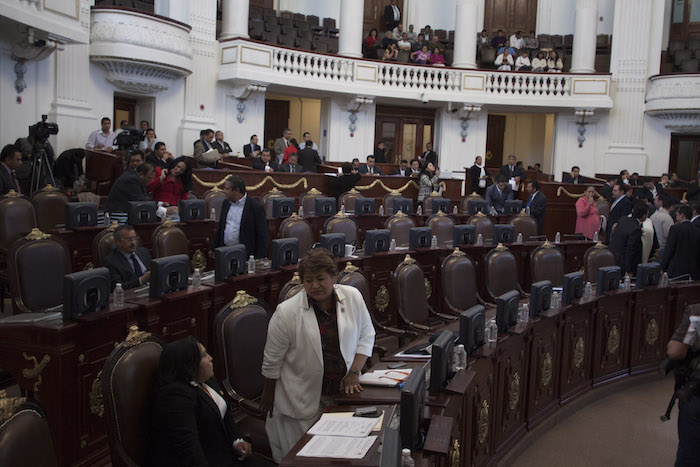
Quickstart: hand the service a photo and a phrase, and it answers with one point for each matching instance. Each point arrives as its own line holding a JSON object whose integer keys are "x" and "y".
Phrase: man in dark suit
{"x": 130, "y": 186}
{"x": 10, "y": 162}
{"x": 695, "y": 207}
{"x": 694, "y": 189}
{"x": 392, "y": 15}
{"x": 346, "y": 181}
{"x": 496, "y": 195}
{"x": 429, "y": 155}
{"x": 220, "y": 145}
{"x": 626, "y": 240}
{"x": 69, "y": 167}
{"x": 252, "y": 149}
{"x": 511, "y": 170}
{"x": 606, "y": 190}
{"x": 536, "y": 204}
{"x": 309, "y": 158}
{"x": 403, "y": 169}
{"x": 380, "y": 152}
{"x": 682, "y": 252}
{"x": 265, "y": 162}
{"x": 242, "y": 220}
{"x": 573, "y": 177}
{"x": 128, "y": 263}
{"x": 621, "y": 207}
{"x": 370, "y": 168}
{"x": 292, "y": 166}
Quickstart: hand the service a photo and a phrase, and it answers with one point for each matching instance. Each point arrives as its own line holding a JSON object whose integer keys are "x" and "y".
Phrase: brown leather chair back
{"x": 548, "y": 264}
{"x": 38, "y": 253}
{"x": 348, "y": 198}
{"x": 501, "y": 271}
{"x": 103, "y": 244}
{"x": 603, "y": 207}
{"x": 241, "y": 332}
{"x": 17, "y": 219}
{"x": 409, "y": 284}
{"x": 442, "y": 226}
{"x": 169, "y": 240}
{"x": 128, "y": 381}
{"x": 596, "y": 257}
{"x": 399, "y": 226}
{"x": 459, "y": 281}
{"x": 352, "y": 276}
{"x": 299, "y": 228}
{"x": 213, "y": 199}
{"x": 467, "y": 200}
{"x": 428, "y": 203}
{"x": 290, "y": 288}
{"x": 50, "y": 208}
{"x": 388, "y": 202}
{"x": 308, "y": 201}
{"x": 524, "y": 224}
{"x": 25, "y": 438}
{"x": 482, "y": 225}
{"x": 340, "y": 223}
{"x": 266, "y": 200}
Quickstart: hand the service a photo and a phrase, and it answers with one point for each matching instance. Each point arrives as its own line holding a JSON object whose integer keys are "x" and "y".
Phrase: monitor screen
{"x": 229, "y": 261}
{"x": 325, "y": 206}
{"x": 540, "y": 297}
{"x": 413, "y": 396}
{"x": 572, "y": 287}
{"x": 419, "y": 237}
{"x": 376, "y": 240}
{"x": 364, "y": 206}
{"x": 440, "y": 358}
{"x": 513, "y": 206}
{"x": 507, "y": 310}
{"x": 191, "y": 209}
{"x": 142, "y": 212}
{"x": 169, "y": 274}
{"x": 403, "y": 204}
{"x": 609, "y": 278}
{"x": 472, "y": 324}
{"x": 440, "y": 204}
{"x": 335, "y": 243}
{"x": 478, "y": 205}
{"x": 503, "y": 233}
{"x": 464, "y": 234}
{"x": 284, "y": 252}
{"x": 282, "y": 207}
{"x": 81, "y": 215}
{"x": 85, "y": 292}
{"x": 648, "y": 274}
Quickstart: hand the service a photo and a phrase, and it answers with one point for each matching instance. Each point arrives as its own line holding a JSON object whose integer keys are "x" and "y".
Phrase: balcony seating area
{"x": 293, "y": 30}
{"x": 681, "y": 57}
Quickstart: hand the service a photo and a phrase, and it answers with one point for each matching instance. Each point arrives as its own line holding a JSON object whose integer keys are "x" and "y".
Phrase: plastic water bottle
{"x": 433, "y": 242}
{"x": 251, "y": 264}
{"x": 459, "y": 358}
{"x": 118, "y": 295}
{"x": 519, "y": 240}
{"x": 595, "y": 237}
{"x": 664, "y": 279}
{"x": 524, "y": 314}
{"x": 212, "y": 214}
{"x": 557, "y": 238}
{"x": 588, "y": 291}
{"x": 392, "y": 245}
{"x": 627, "y": 284}
{"x": 406, "y": 460}
{"x": 301, "y": 211}
{"x": 419, "y": 211}
{"x": 480, "y": 240}
{"x": 197, "y": 278}
{"x": 107, "y": 220}
{"x": 556, "y": 300}
{"x": 381, "y": 210}
{"x": 342, "y": 207}
{"x": 455, "y": 211}
{"x": 492, "y": 331}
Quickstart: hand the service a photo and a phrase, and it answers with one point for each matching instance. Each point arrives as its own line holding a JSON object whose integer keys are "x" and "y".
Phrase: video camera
{"x": 41, "y": 131}
{"x": 129, "y": 138}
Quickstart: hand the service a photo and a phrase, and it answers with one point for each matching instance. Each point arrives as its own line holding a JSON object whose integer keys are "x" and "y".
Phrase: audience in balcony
{"x": 483, "y": 39}
{"x": 429, "y": 181}
{"x": 252, "y": 149}
{"x": 102, "y": 139}
{"x": 531, "y": 42}
{"x": 372, "y": 40}
{"x": 265, "y": 162}
{"x": 427, "y": 32}
{"x": 404, "y": 44}
{"x": 554, "y": 63}
{"x": 397, "y": 32}
{"x": 293, "y": 148}
{"x": 282, "y": 143}
{"x": 436, "y": 58}
{"x": 522, "y": 63}
{"x": 499, "y": 41}
{"x": 392, "y": 15}
{"x": 370, "y": 168}
{"x": 539, "y": 63}
{"x": 380, "y": 153}
{"x": 412, "y": 36}
{"x": 421, "y": 56}
{"x": 436, "y": 44}
{"x": 504, "y": 61}
{"x": 307, "y": 140}
{"x": 204, "y": 151}
{"x": 391, "y": 53}
{"x": 517, "y": 41}
{"x": 388, "y": 40}
{"x": 508, "y": 47}
{"x": 170, "y": 185}
{"x": 220, "y": 145}
{"x": 309, "y": 158}
{"x": 419, "y": 43}
{"x": 159, "y": 157}
{"x": 149, "y": 141}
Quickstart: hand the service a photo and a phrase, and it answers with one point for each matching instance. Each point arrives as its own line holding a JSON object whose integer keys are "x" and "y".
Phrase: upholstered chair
{"x": 348, "y": 199}
{"x": 266, "y": 200}
{"x": 548, "y": 264}
{"x": 468, "y": 199}
{"x": 428, "y": 202}
{"x": 103, "y": 244}
{"x": 459, "y": 284}
{"x": 524, "y": 224}
{"x": 340, "y": 223}
{"x": 292, "y": 287}
{"x": 213, "y": 199}
{"x": 308, "y": 201}
{"x": 442, "y": 226}
{"x": 168, "y": 240}
{"x": 25, "y": 438}
{"x": 399, "y": 226}
{"x": 299, "y": 228}
{"x": 482, "y": 225}
{"x": 501, "y": 272}
{"x": 388, "y": 201}
{"x": 596, "y": 257}
{"x": 50, "y": 207}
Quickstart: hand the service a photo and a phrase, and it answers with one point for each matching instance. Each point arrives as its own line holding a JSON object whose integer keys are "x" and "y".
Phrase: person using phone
{"x": 171, "y": 184}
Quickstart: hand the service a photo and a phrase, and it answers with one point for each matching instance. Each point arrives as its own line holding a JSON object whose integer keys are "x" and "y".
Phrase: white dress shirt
{"x": 516, "y": 43}
{"x": 397, "y": 12}
{"x": 232, "y": 230}
{"x": 143, "y": 145}
{"x": 97, "y": 138}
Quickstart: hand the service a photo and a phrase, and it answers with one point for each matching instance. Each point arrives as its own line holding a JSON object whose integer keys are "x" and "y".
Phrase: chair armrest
{"x": 381, "y": 350}
{"x": 396, "y": 332}
{"x": 445, "y": 317}
{"x": 420, "y": 327}
{"x": 253, "y": 408}
{"x": 485, "y": 303}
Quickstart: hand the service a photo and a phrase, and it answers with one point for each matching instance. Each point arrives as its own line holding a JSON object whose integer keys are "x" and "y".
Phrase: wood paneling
{"x": 404, "y": 131}
{"x": 495, "y": 132}
{"x": 276, "y": 120}
{"x": 510, "y": 16}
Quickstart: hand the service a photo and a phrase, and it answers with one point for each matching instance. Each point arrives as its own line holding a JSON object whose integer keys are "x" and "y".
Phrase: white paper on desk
{"x": 386, "y": 378}
{"x": 377, "y": 426}
{"x": 337, "y": 447}
{"x": 353, "y": 427}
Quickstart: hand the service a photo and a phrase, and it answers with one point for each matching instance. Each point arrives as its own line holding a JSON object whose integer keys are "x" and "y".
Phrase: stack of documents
{"x": 388, "y": 378}
{"x": 340, "y": 437}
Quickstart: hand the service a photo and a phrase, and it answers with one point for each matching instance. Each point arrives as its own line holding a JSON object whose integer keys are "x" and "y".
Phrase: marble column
{"x": 234, "y": 19}
{"x": 350, "y": 35}
{"x": 465, "y": 34}
{"x": 583, "y": 58}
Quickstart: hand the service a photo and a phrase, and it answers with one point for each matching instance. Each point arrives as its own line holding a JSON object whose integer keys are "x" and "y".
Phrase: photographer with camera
{"x": 102, "y": 139}
{"x": 684, "y": 358}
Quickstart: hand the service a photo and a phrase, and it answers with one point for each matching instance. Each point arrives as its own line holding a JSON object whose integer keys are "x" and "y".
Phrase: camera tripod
{"x": 41, "y": 170}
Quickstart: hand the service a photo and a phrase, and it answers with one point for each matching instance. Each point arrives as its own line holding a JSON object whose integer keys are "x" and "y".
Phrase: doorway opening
{"x": 133, "y": 110}
{"x": 685, "y": 152}
{"x": 299, "y": 114}
{"x": 530, "y": 137}
{"x": 405, "y": 131}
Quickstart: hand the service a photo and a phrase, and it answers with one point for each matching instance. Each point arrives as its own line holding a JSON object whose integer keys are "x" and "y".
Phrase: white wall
{"x": 566, "y": 147}
{"x": 453, "y": 153}
{"x": 559, "y": 16}
{"x": 341, "y": 146}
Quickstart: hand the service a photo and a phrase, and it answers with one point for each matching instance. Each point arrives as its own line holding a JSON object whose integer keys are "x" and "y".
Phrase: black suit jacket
{"x": 622, "y": 209}
{"x": 626, "y": 244}
{"x": 496, "y": 200}
{"x": 223, "y": 148}
{"x": 606, "y": 192}
{"x": 569, "y": 179}
{"x": 430, "y": 156}
{"x": 407, "y": 172}
{"x": 682, "y": 252}
{"x": 128, "y": 187}
{"x": 6, "y": 182}
{"x": 343, "y": 183}
{"x": 250, "y": 148}
{"x": 308, "y": 159}
{"x": 253, "y": 234}
{"x": 537, "y": 208}
{"x": 187, "y": 428}
{"x": 365, "y": 170}
{"x": 474, "y": 174}
{"x": 121, "y": 270}
{"x": 288, "y": 168}
{"x": 696, "y": 222}
{"x": 66, "y": 169}
{"x": 517, "y": 172}
{"x": 389, "y": 20}
{"x": 380, "y": 155}
{"x": 260, "y": 165}
{"x": 693, "y": 191}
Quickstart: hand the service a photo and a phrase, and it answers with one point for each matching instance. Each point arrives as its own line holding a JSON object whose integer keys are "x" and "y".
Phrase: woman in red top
{"x": 371, "y": 39}
{"x": 172, "y": 184}
{"x": 291, "y": 149}
{"x": 587, "y": 216}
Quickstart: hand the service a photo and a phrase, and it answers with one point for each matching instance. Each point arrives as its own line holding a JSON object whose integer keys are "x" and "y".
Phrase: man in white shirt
{"x": 102, "y": 139}
{"x": 516, "y": 40}
{"x": 404, "y": 44}
{"x": 149, "y": 141}
{"x": 662, "y": 219}
{"x": 397, "y": 32}
{"x": 307, "y": 137}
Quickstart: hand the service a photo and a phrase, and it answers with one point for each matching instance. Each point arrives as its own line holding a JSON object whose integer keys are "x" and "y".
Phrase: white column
{"x": 234, "y": 19}
{"x": 173, "y": 9}
{"x": 465, "y": 34}
{"x": 350, "y": 35}
{"x": 583, "y": 59}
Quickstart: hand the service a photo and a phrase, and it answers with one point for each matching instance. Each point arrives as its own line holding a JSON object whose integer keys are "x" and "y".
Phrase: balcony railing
{"x": 675, "y": 99}
{"x": 244, "y": 59}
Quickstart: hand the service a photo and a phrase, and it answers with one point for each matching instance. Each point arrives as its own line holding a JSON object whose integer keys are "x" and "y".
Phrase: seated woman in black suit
{"x": 191, "y": 422}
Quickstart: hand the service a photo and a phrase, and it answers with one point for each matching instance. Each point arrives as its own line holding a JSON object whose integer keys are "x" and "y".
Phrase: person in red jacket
{"x": 170, "y": 185}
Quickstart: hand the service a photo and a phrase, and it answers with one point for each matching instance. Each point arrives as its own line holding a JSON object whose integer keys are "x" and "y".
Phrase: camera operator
{"x": 684, "y": 352}
{"x": 102, "y": 139}
{"x": 68, "y": 171}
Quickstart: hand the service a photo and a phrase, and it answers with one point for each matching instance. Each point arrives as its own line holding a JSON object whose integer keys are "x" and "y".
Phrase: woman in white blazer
{"x": 317, "y": 343}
